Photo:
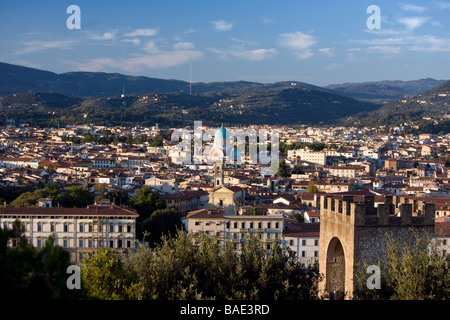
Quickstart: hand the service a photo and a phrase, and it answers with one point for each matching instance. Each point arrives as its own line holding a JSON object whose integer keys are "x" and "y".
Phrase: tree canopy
{"x": 179, "y": 269}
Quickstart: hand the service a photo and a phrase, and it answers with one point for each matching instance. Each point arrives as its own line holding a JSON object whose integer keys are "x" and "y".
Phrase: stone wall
{"x": 362, "y": 231}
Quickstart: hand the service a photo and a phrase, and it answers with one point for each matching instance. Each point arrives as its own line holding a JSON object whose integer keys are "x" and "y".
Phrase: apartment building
{"x": 345, "y": 171}
{"x": 236, "y": 228}
{"x": 316, "y": 157}
{"x": 81, "y": 231}
{"x": 303, "y": 240}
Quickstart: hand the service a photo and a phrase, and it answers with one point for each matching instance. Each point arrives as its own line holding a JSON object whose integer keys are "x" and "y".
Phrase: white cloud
{"x": 142, "y": 33}
{"x": 150, "y": 47}
{"x": 327, "y": 51}
{"x": 188, "y": 31}
{"x": 222, "y": 25}
{"x": 246, "y": 54}
{"x": 255, "y": 54}
{"x": 134, "y": 41}
{"x": 299, "y": 43}
{"x": 436, "y": 24}
{"x": 429, "y": 43}
{"x": 139, "y": 63}
{"x": 183, "y": 46}
{"x": 332, "y": 66}
{"x": 109, "y": 35}
{"x": 37, "y": 46}
{"x": 387, "y": 50}
{"x": 266, "y": 20}
{"x": 426, "y": 43}
{"x": 93, "y": 65}
{"x": 412, "y": 7}
{"x": 442, "y": 5}
{"x": 244, "y": 42}
{"x": 353, "y": 58}
{"x": 412, "y": 23}
{"x": 384, "y": 32}
{"x": 162, "y": 60}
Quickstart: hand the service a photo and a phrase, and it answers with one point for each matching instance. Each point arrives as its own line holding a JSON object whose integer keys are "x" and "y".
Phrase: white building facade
{"x": 80, "y": 231}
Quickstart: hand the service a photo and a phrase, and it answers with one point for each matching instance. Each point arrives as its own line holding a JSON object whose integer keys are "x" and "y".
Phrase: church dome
{"x": 222, "y": 133}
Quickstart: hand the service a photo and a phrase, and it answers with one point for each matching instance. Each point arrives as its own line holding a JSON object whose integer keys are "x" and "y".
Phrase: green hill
{"x": 385, "y": 91}
{"x": 282, "y": 106}
{"x": 429, "y": 109}
{"x": 14, "y": 79}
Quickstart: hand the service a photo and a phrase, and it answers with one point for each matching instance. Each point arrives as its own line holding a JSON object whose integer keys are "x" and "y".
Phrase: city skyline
{"x": 260, "y": 41}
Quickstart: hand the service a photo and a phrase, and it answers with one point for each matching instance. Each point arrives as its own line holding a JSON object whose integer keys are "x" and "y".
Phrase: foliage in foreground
{"x": 28, "y": 272}
{"x": 178, "y": 269}
{"x": 411, "y": 271}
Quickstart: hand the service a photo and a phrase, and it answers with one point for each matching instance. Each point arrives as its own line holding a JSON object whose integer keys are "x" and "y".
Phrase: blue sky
{"x": 318, "y": 42}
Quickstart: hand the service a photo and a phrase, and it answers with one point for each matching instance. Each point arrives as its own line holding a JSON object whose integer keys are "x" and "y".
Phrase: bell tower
{"x": 218, "y": 174}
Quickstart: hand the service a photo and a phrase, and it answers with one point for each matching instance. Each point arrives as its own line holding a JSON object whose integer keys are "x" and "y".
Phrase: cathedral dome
{"x": 222, "y": 133}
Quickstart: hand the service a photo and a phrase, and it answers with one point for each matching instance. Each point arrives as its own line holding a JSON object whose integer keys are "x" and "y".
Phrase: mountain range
{"x": 385, "y": 91}
{"x": 45, "y": 98}
{"x": 430, "y": 109}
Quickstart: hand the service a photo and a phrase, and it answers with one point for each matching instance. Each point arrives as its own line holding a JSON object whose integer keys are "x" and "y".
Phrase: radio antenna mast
{"x": 190, "y": 78}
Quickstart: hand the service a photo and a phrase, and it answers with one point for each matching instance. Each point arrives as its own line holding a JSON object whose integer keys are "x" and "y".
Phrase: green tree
{"x": 105, "y": 277}
{"x": 52, "y": 189}
{"x": 312, "y": 188}
{"x": 33, "y": 273}
{"x": 297, "y": 216}
{"x": 102, "y": 192}
{"x": 412, "y": 270}
{"x": 167, "y": 272}
{"x": 51, "y": 169}
{"x": 29, "y": 199}
{"x": 178, "y": 268}
{"x": 160, "y": 223}
{"x": 417, "y": 271}
{"x": 283, "y": 169}
{"x": 76, "y": 196}
{"x": 146, "y": 201}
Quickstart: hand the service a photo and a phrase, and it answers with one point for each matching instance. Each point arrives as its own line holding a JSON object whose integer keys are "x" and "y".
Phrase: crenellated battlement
{"x": 392, "y": 212}
{"x": 354, "y": 228}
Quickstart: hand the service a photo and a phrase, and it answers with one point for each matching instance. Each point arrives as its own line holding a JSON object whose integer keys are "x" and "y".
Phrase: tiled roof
{"x": 442, "y": 229}
{"x": 109, "y": 210}
{"x": 294, "y": 228}
{"x": 206, "y": 214}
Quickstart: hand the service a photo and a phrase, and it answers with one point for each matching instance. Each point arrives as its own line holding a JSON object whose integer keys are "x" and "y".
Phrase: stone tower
{"x": 218, "y": 174}
{"x": 353, "y": 230}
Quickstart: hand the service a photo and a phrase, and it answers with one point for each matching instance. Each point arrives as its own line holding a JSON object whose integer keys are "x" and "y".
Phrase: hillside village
{"x": 239, "y": 199}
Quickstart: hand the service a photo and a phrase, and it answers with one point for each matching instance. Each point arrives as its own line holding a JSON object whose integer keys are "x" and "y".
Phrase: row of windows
{"x": 9, "y": 216}
{"x": 304, "y": 242}
{"x": 238, "y": 246}
{"x": 268, "y": 246}
{"x": 82, "y": 227}
{"x": 316, "y": 254}
{"x": 251, "y": 225}
{"x": 243, "y": 225}
{"x": 243, "y": 235}
{"x": 88, "y": 243}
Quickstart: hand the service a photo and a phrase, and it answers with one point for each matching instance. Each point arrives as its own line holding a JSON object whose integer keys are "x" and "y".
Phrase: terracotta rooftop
{"x": 215, "y": 213}
{"x": 442, "y": 229}
{"x": 107, "y": 210}
{"x": 293, "y": 228}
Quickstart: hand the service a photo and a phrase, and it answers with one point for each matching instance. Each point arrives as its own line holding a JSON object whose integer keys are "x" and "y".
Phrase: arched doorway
{"x": 335, "y": 270}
